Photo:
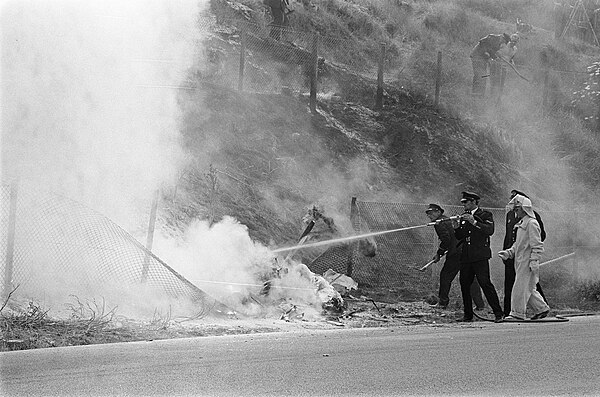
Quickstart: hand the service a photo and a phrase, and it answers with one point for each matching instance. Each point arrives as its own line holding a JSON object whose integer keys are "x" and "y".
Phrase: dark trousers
{"x": 468, "y": 272}
{"x": 509, "y": 281}
{"x": 480, "y": 66}
{"x": 447, "y": 275}
{"x": 278, "y": 22}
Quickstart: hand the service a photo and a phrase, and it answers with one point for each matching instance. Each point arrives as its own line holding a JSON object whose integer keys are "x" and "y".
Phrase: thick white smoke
{"x": 88, "y": 102}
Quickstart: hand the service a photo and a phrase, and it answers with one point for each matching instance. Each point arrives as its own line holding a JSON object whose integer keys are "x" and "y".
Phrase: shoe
{"x": 499, "y": 318}
{"x": 541, "y": 315}
{"x": 465, "y": 320}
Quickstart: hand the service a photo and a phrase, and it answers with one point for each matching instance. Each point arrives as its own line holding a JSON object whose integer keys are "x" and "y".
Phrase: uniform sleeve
{"x": 444, "y": 231}
{"x": 484, "y": 224}
{"x": 535, "y": 240}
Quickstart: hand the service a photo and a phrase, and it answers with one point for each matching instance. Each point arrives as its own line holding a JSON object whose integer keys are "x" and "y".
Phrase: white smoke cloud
{"x": 220, "y": 259}
{"x": 88, "y": 101}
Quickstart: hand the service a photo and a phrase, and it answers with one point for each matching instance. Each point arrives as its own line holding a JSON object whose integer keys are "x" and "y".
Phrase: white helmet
{"x": 514, "y": 37}
{"x": 524, "y": 202}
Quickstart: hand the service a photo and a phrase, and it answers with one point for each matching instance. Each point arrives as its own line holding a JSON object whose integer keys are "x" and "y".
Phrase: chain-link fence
{"x": 249, "y": 56}
{"x": 261, "y": 58}
{"x": 52, "y": 243}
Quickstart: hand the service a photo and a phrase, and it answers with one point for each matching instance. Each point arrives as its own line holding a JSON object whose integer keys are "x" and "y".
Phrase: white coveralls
{"x": 527, "y": 247}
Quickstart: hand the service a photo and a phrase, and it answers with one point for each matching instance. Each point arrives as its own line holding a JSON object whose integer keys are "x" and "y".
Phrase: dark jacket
{"x": 511, "y": 221}
{"x": 445, "y": 232}
{"x": 488, "y": 46}
{"x": 474, "y": 240}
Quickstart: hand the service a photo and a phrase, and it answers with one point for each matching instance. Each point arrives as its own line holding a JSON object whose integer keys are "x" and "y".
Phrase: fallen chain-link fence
{"x": 52, "y": 243}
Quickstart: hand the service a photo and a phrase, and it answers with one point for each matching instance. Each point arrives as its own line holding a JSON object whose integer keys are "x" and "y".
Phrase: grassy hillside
{"x": 264, "y": 158}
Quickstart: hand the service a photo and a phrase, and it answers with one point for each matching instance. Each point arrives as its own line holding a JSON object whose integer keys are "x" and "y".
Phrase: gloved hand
{"x": 504, "y": 255}
{"x": 534, "y": 265}
{"x": 436, "y": 258}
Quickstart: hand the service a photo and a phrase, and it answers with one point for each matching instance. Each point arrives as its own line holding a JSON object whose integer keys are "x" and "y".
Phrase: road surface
{"x": 473, "y": 359}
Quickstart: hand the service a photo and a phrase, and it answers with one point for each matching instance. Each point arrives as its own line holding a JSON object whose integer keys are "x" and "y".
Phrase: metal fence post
{"x": 379, "y": 94}
{"x": 242, "y": 58}
{"x": 10, "y": 239}
{"x": 150, "y": 234}
{"x": 438, "y": 78}
{"x": 314, "y": 74}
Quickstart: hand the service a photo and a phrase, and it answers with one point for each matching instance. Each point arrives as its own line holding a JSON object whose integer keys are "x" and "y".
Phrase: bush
{"x": 455, "y": 24}
{"x": 588, "y": 291}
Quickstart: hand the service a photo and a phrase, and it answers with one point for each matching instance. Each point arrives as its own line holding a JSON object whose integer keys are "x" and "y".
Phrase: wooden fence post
{"x": 379, "y": 94}
{"x": 10, "y": 239}
{"x": 150, "y": 234}
{"x": 438, "y": 78}
{"x": 242, "y": 58}
{"x": 314, "y": 74}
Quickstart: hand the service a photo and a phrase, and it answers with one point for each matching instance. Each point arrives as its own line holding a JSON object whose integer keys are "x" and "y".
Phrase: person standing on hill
{"x": 509, "y": 239}
{"x": 445, "y": 232}
{"x": 485, "y": 50}
{"x": 473, "y": 233}
{"x": 526, "y": 252}
{"x": 279, "y": 10}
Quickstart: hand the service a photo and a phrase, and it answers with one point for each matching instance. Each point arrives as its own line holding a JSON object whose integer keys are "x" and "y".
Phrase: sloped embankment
{"x": 273, "y": 157}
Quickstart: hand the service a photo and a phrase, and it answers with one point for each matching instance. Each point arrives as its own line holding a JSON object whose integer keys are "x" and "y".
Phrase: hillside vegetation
{"x": 271, "y": 158}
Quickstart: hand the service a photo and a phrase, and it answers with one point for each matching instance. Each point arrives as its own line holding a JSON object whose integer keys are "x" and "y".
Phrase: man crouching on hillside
{"x": 485, "y": 50}
{"x": 473, "y": 233}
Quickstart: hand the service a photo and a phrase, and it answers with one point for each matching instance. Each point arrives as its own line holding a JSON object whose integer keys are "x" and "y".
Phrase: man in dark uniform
{"x": 509, "y": 264}
{"x": 473, "y": 233}
{"x": 445, "y": 232}
{"x": 486, "y": 49}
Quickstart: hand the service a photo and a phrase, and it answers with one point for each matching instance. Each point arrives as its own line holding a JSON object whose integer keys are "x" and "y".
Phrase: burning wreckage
{"x": 290, "y": 289}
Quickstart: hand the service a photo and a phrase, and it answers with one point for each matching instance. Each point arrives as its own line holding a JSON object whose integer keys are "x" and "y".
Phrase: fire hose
{"x": 360, "y": 236}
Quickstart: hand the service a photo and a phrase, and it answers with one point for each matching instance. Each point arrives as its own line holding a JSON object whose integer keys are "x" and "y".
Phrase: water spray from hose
{"x": 361, "y": 236}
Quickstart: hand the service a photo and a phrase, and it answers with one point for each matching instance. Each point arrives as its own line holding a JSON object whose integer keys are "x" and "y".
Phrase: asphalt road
{"x": 477, "y": 359}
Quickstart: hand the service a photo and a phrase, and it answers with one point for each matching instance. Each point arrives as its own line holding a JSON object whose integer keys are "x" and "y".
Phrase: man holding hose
{"x": 445, "y": 232}
{"x": 474, "y": 230}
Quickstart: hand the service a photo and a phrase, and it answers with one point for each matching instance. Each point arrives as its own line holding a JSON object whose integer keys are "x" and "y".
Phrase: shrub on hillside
{"x": 505, "y": 10}
{"x": 588, "y": 291}
{"x": 587, "y": 99}
{"x": 455, "y": 23}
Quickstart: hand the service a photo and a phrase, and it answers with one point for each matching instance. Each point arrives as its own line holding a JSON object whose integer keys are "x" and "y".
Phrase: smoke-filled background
{"x": 104, "y": 103}
{"x": 90, "y": 111}
{"x": 88, "y": 107}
